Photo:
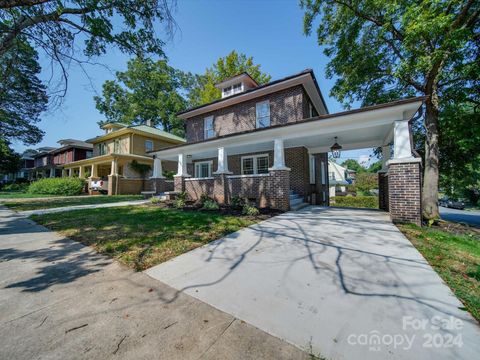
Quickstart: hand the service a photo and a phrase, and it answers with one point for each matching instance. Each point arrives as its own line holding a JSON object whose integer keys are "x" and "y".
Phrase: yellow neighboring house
{"x": 114, "y": 152}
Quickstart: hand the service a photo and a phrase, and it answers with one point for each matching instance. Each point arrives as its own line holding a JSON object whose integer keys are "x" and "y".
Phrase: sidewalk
{"x": 81, "y": 207}
{"x": 60, "y": 299}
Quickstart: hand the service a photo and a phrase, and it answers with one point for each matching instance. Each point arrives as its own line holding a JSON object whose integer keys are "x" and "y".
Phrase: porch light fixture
{"x": 336, "y": 149}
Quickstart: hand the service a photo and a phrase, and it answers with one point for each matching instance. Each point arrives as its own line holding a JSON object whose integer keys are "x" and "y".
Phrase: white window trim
{"x": 312, "y": 168}
{"x": 205, "y": 130}
{"x": 196, "y": 172}
{"x": 257, "y": 124}
{"x": 254, "y": 157}
{"x": 148, "y": 141}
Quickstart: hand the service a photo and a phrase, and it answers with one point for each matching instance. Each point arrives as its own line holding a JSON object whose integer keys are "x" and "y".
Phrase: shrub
{"x": 15, "y": 187}
{"x": 179, "y": 203}
{"x": 182, "y": 196}
{"x": 57, "y": 186}
{"x": 210, "y": 204}
{"x": 250, "y": 210}
{"x": 369, "y": 202}
{"x": 237, "y": 202}
{"x": 155, "y": 200}
{"x": 203, "y": 199}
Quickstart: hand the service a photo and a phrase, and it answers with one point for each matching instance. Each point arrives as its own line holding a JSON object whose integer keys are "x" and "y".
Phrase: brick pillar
{"x": 404, "y": 191}
{"x": 383, "y": 190}
{"x": 279, "y": 189}
{"x": 220, "y": 188}
{"x": 113, "y": 184}
{"x": 179, "y": 183}
{"x": 158, "y": 185}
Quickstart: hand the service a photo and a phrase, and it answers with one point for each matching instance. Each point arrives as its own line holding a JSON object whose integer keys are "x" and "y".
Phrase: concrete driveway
{"x": 61, "y": 300}
{"x": 344, "y": 282}
{"x": 461, "y": 216}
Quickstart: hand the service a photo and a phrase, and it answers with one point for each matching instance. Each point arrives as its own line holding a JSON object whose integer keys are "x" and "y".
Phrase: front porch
{"x": 267, "y": 165}
{"x": 116, "y": 172}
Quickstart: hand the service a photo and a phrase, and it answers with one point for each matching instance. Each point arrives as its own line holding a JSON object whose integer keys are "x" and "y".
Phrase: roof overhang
{"x": 306, "y": 79}
{"x": 356, "y": 129}
{"x": 129, "y": 130}
{"x": 244, "y": 77}
{"x": 106, "y": 159}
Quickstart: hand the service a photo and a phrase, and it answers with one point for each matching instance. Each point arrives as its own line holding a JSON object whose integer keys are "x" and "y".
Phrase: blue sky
{"x": 270, "y": 31}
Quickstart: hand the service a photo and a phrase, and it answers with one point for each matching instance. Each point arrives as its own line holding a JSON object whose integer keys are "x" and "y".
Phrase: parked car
{"x": 451, "y": 203}
{"x": 100, "y": 185}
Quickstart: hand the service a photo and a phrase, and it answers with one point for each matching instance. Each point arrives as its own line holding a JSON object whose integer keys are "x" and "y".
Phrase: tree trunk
{"x": 431, "y": 172}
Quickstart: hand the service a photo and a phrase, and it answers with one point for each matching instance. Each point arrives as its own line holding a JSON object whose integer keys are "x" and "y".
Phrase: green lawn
{"x": 456, "y": 258}
{"x": 34, "y": 204}
{"x": 143, "y": 236}
{"x": 20, "y": 195}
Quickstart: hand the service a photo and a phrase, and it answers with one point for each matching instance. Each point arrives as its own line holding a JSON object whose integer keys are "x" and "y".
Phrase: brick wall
{"x": 195, "y": 188}
{"x": 285, "y": 106}
{"x": 295, "y": 158}
{"x": 404, "y": 192}
{"x": 251, "y": 187}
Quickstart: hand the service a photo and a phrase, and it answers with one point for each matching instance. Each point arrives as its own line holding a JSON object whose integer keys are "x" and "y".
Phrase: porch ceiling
{"x": 362, "y": 128}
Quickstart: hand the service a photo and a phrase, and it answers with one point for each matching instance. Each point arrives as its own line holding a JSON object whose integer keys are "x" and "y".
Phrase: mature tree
{"x": 9, "y": 159}
{"x": 375, "y": 167}
{"x": 366, "y": 181}
{"x": 54, "y": 26}
{"x": 225, "y": 67}
{"x": 382, "y": 50}
{"x": 147, "y": 90}
{"x": 22, "y": 95}
{"x": 353, "y": 164}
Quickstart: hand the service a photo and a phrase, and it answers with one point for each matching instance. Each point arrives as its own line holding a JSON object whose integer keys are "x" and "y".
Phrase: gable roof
{"x": 305, "y": 78}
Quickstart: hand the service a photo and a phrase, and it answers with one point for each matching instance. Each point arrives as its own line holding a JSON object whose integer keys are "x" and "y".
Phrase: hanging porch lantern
{"x": 336, "y": 149}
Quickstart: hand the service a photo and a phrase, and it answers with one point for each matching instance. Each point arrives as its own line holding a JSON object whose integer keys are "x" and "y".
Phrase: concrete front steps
{"x": 296, "y": 202}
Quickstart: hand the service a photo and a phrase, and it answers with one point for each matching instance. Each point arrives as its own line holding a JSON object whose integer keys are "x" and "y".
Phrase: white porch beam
{"x": 157, "y": 169}
{"x": 222, "y": 158}
{"x": 182, "y": 166}
{"x": 278, "y": 156}
{"x": 348, "y": 146}
{"x": 402, "y": 148}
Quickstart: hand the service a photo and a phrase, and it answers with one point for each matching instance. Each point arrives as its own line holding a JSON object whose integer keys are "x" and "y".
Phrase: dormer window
{"x": 232, "y": 90}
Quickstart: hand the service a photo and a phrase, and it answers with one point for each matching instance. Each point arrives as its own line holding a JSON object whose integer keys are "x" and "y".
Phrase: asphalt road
{"x": 468, "y": 217}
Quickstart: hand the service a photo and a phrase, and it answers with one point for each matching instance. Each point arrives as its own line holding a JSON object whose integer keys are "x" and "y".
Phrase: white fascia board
{"x": 331, "y": 125}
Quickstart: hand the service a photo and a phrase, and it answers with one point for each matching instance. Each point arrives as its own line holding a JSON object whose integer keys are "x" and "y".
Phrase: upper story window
{"x": 209, "y": 130}
{"x": 148, "y": 145}
{"x": 89, "y": 154}
{"x": 256, "y": 164}
{"x": 203, "y": 169}
{"x": 263, "y": 114}
{"x": 102, "y": 149}
{"x": 232, "y": 90}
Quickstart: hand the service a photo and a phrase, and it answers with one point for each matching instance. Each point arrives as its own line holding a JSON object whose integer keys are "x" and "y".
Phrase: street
{"x": 467, "y": 217}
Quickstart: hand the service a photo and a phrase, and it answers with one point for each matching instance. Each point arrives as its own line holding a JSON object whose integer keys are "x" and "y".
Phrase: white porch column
{"x": 70, "y": 172}
{"x": 278, "y": 156}
{"x": 52, "y": 172}
{"x": 157, "y": 169}
{"x": 114, "y": 167}
{"x": 222, "y": 167}
{"x": 81, "y": 172}
{"x": 402, "y": 148}
{"x": 385, "y": 157}
{"x": 182, "y": 166}
{"x": 64, "y": 172}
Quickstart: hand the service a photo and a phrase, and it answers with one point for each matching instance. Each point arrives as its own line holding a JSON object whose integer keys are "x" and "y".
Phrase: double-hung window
{"x": 256, "y": 164}
{"x": 203, "y": 169}
{"x": 148, "y": 145}
{"x": 102, "y": 149}
{"x": 208, "y": 127}
{"x": 263, "y": 114}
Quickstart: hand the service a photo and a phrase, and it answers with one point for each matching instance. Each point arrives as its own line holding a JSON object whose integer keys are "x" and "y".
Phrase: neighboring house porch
{"x": 268, "y": 164}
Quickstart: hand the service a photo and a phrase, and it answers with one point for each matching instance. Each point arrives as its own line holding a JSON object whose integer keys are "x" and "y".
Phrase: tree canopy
{"x": 384, "y": 50}
{"x": 22, "y": 95}
{"x": 232, "y": 64}
{"x": 147, "y": 90}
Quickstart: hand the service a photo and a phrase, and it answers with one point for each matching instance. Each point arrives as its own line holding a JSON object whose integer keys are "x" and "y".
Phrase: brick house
{"x": 269, "y": 143}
